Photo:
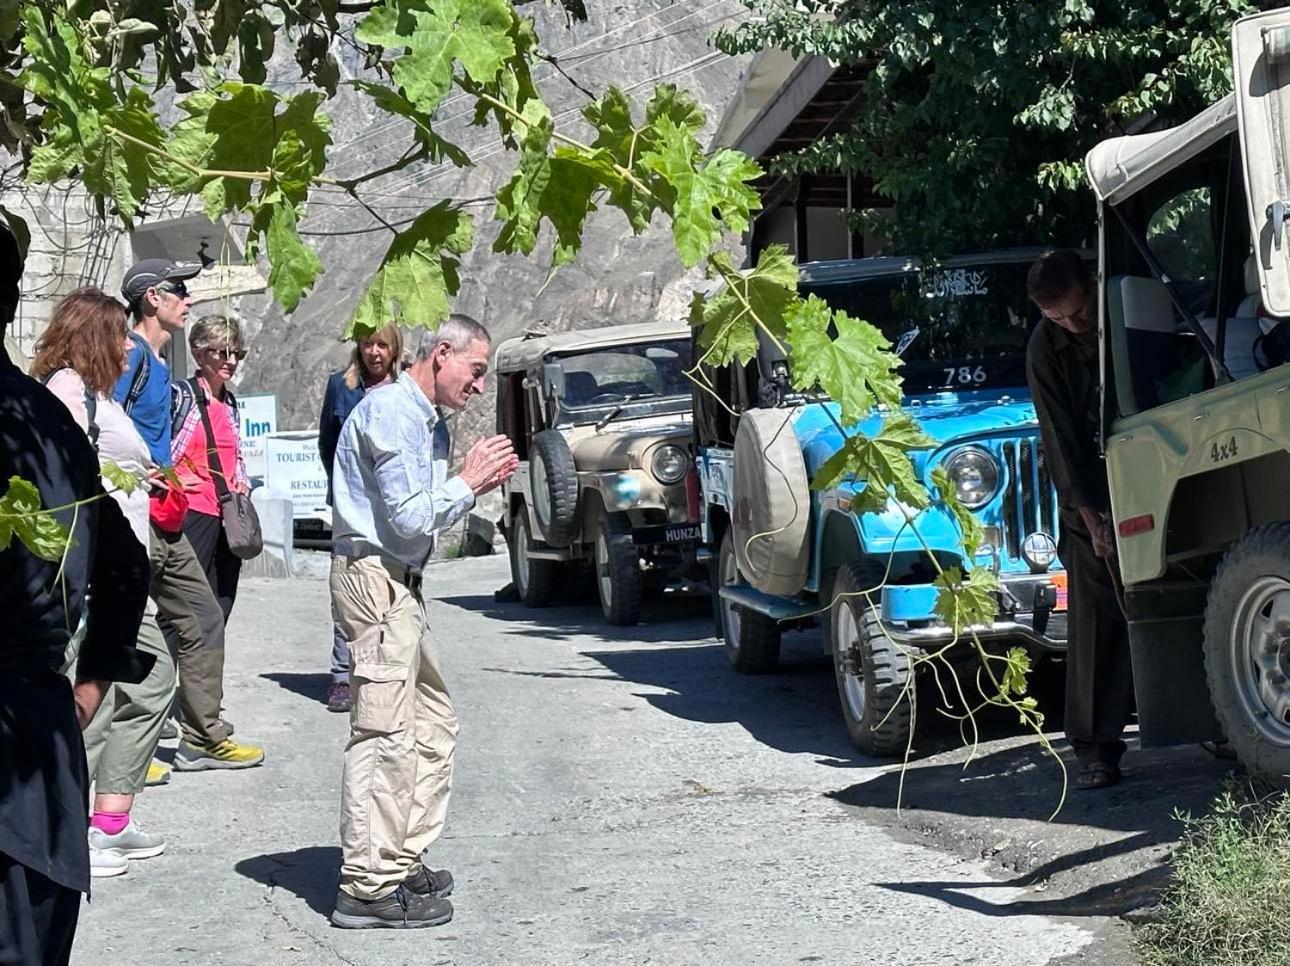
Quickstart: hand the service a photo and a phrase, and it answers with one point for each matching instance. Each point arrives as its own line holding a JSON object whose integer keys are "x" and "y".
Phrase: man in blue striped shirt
{"x": 392, "y": 495}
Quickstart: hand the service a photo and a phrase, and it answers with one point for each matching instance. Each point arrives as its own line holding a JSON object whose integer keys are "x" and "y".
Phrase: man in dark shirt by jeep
{"x": 1063, "y": 372}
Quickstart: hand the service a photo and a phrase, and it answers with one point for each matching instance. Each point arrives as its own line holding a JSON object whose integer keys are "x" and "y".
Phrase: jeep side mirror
{"x": 553, "y": 380}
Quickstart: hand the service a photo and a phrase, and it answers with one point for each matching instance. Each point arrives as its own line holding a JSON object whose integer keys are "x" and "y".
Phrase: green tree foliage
{"x": 976, "y": 115}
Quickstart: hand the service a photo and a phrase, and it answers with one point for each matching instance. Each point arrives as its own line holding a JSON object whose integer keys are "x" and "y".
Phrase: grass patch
{"x": 1229, "y": 903}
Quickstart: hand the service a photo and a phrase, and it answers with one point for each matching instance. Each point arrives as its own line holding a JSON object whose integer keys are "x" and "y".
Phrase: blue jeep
{"x": 785, "y": 557}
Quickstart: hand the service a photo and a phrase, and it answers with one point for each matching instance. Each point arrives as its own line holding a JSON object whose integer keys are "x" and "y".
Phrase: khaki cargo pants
{"x": 122, "y": 737}
{"x": 402, "y": 729}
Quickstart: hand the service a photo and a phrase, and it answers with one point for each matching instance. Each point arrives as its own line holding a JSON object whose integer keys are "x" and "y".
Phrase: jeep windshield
{"x": 957, "y": 326}
{"x": 641, "y": 379}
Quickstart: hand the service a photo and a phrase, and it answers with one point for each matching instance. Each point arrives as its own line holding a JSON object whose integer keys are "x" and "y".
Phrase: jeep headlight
{"x": 975, "y": 475}
{"x": 670, "y": 464}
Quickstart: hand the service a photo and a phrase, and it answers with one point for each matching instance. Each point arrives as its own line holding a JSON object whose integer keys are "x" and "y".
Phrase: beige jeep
{"x": 1195, "y": 298}
{"x": 601, "y": 421}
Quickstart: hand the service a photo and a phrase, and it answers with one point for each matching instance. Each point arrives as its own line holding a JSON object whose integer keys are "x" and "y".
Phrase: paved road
{"x": 620, "y": 798}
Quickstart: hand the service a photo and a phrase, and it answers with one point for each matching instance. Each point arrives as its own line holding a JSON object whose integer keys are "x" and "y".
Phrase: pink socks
{"x": 110, "y": 823}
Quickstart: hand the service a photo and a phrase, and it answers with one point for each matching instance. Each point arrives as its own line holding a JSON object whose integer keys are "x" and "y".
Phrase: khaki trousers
{"x": 402, "y": 731}
{"x": 123, "y": 734}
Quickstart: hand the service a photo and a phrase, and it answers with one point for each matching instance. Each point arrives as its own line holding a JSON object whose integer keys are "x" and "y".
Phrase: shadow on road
{"x": 309, "y": 873}
{"x": 311, "y": 685}
{"x": 1107, "y": 849}
{"x": 671, "y": 617}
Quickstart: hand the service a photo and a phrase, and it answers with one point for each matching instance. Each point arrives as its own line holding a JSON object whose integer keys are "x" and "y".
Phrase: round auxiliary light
{"x": 1039, "y": 550}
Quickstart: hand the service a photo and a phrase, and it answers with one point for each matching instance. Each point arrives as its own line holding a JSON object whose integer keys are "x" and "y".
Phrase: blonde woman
{"x": 207, "y": 455}
{"x": 374, "y": 362}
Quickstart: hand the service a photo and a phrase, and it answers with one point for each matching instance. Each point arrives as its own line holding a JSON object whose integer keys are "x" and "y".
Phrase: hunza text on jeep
{"x": 1194, "y": 287}
{"x": 786, "y": 557}
{"x": 600, "y": 419}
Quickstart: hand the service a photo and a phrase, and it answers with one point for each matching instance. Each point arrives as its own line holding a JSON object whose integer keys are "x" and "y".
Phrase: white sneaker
{"x": 131, "y": 842}
{"x": 106, "y": 864}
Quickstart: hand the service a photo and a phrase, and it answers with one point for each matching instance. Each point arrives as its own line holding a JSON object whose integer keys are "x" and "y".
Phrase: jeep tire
{"x": 1247, "y": 654}
{"x": 618, "y": 570}
{"x": 535, "y": 580}
{"x": 872, "y": 672}
{"x": 553, "y": 481}
{"x": 752, "y": 639}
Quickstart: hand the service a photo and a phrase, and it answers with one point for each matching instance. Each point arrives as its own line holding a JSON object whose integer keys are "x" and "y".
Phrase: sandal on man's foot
{"x": 1097, "y": 775}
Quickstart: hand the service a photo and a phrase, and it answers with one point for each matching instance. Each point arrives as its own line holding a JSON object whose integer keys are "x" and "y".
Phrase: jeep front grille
{"x": 1031, "y": 502}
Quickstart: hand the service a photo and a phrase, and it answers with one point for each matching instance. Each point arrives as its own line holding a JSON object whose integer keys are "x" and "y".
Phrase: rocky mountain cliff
{"x": 618, "y": 278}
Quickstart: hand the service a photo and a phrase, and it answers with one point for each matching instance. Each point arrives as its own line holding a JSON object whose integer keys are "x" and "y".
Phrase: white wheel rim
{"x": 729, "y": 612}
{"x": 604, "y": 581}
{"x": 846, "y": 656}
{"x": 541, "y": 493}
{"x": 522, "y": 556}
{"x": 1259, "y": 651}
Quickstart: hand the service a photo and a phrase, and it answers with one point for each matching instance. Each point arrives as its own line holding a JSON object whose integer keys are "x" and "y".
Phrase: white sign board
{"x": 259, "y": 415}
{"x": 294, "y": 471}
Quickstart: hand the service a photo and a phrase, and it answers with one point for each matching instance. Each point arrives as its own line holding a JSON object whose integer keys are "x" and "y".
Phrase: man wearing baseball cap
{"x": 187, "y": 611}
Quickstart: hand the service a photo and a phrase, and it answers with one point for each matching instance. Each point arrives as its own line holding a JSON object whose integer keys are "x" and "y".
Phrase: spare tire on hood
{"x": 553, "y": 482}
{"x": 772, "y": 503}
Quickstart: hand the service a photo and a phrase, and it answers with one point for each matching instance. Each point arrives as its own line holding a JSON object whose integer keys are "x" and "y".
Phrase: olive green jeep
{"x": 1194, "y": 290}
{"x": 601, "y": 421}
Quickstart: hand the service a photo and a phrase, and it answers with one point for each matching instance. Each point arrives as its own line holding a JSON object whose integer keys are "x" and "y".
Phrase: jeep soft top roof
{"x": 525, "y": 351}
{"x": 1120, "y": 167}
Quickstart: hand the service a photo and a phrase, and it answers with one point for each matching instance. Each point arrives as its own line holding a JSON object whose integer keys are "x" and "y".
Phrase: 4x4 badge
{"x": 1223, "y": 451}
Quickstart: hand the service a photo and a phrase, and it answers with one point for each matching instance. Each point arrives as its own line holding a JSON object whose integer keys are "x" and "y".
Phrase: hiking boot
{"x": 104, "y": 865}
{"x": 401, "y": 909}
{"x": 338, "y": 696}
{"x": 169, "y": 730}
{"x": 158, "y": 774}
{"x": 424, "y": 881}
{"x": 225, "y": 754}
{"x": 131, "y": 842}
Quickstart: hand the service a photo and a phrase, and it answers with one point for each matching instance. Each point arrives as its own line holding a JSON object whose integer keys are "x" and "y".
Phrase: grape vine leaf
{"x": 882, "y": 462}
{"x": 727, "y": 321}
{"x": 476, "y": 33}
{"x": 293, "y": 265}
{"x": 37, "y": 529}
{"x": 847, "y": 358}
{"x": 120, "y": 478}
{"x": 418, "y": 276}
{"x": 519, "y": 203}
{"x": 969, "y": 525}
{"x": 967, "y": 601}
{"x": 437, "y": 148}
{"x": 703, "y": 194}
{"x": 618, "y": 144}
{"x": 82, "y": 115}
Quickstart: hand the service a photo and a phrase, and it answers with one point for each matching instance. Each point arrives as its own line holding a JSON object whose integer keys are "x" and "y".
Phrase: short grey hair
{"x": 459, "y": 332}
{"x": 215, "y": 331}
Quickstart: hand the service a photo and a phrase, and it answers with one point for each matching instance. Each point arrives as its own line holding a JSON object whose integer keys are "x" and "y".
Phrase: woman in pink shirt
{"x": 207, "y": 450}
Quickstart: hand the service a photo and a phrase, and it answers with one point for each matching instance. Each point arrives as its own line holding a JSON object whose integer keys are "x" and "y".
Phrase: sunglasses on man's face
{"x": 223, "y": 355}
{"x": 174, "y": 288}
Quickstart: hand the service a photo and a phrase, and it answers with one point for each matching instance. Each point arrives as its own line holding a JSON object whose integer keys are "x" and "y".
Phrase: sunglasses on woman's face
{"x": 223, "y": 355}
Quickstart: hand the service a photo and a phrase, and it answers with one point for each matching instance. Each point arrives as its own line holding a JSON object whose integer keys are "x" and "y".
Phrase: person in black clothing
{"x": 44, "y": 788}
{"x": 1062, "y": 369}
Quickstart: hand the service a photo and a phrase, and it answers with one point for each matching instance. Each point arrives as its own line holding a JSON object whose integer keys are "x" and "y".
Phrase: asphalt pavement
{"x": 621, "y": 797}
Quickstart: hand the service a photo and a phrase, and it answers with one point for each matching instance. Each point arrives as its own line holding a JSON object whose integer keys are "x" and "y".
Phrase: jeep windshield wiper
{"x": 604, "y": 421}
{"x": 906, "y": 339}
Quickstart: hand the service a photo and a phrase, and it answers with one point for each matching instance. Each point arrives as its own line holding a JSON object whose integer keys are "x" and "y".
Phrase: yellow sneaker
{"x": 158, "y": 774}
{"x": 226, "y": 754}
